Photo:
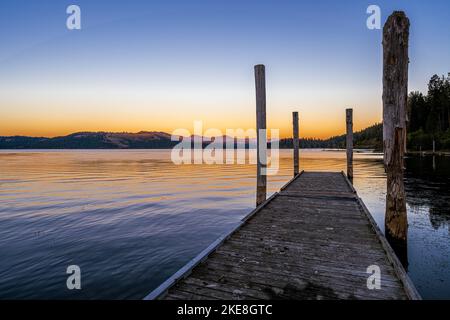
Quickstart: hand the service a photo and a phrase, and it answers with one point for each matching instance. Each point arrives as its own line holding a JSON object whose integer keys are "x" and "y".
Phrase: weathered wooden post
{"x": 395, "y": 93}
{"x": 261, "y": 177}
{"x": 349, "y": 142}
{"x": 295, "y": 142}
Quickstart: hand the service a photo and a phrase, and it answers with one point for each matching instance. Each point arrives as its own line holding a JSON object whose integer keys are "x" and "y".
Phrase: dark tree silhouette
{"x": 429, "y": 116}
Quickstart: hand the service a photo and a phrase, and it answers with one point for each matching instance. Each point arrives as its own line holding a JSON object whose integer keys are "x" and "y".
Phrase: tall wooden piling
{"x": 395, "y": 93}
{"x": 261, "y": 177}
{"x": 295, "y": 142}
{"x": 349, "y": 142}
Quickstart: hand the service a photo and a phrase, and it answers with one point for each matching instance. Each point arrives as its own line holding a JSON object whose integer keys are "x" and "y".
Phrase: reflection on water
{"x": 428, "y": 197}
{"x": 131, "y": 218}
{"x": 428, "y": 185}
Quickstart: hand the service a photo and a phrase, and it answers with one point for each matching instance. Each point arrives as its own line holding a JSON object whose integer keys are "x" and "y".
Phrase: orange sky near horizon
{"x": 57, "y": 107}
{"x": 312, "y": 124}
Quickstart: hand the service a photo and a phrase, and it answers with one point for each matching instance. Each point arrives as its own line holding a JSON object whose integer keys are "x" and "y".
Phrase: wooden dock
{"x": 315, "y": 239}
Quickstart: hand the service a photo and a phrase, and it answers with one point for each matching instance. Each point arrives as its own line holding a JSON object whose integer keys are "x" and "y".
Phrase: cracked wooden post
{"x": 295, "y": 142}
{"x": 349, "y": 142}
{"x": 395, "y": 93}
{"x": 261, "y": 177}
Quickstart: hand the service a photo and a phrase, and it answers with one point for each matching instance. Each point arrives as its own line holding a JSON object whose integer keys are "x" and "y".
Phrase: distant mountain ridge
{"x": 92, "y": 140}
{"x": 370, "y": 138}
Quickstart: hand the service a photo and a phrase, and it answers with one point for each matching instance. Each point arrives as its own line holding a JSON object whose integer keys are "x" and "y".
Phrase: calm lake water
{"x": 131, "y": 218}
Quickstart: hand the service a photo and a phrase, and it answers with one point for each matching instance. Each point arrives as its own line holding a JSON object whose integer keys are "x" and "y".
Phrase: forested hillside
{"x": 429, "y": 116}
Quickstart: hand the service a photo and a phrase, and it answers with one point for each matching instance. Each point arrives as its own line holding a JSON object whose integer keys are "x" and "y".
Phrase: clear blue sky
{"x": 159, "y": 65}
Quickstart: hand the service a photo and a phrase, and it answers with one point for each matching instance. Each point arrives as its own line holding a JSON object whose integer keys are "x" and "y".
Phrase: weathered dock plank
{"x": 313, "y": 240}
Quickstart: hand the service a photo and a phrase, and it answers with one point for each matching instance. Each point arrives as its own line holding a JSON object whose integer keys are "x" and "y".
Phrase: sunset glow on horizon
{"x": 48, "y": 121}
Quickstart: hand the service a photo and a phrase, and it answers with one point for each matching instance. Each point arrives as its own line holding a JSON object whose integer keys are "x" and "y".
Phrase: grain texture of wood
{"x": 395, "y": 93}
{"x": 297, "y": 246}
{"x": 295, "y": 142}
{"x": 261, "y": 177}
{"x": 349, "y": 141}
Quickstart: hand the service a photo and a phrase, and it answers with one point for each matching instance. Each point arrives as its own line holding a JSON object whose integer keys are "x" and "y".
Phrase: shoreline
{"x": 428, "y": 153}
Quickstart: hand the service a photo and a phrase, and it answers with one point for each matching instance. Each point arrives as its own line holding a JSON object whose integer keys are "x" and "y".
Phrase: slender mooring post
{"x": 295, "y": 142}
{"x": 349, "y": 142}
{"x": 395, "y": 93}
{"x": 261, "y": 177}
